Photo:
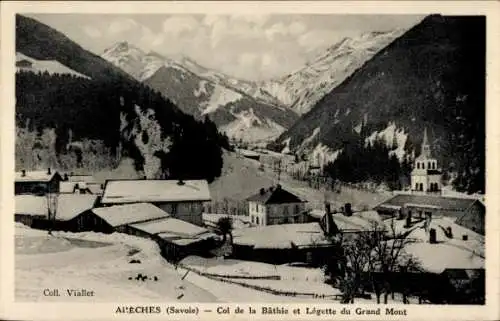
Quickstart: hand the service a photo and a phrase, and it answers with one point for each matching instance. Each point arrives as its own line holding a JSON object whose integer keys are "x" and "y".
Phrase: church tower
{"x": 426, "y": 177}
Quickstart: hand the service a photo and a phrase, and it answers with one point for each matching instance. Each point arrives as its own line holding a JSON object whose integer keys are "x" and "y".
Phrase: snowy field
{"x": 239, "y": 268}
{"x": 101, "y": 263}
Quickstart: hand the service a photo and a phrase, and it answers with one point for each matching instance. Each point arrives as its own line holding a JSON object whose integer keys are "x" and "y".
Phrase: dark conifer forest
{"x": 91, "y": 109}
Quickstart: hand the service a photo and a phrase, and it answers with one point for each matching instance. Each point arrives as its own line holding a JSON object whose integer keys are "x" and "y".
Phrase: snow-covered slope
{"x": 25, "y": 63}
{"x": 98, "y": 262}
{"x": 203, "y": 92}
{"x": 248, "y": 127}
{"x": 301, "y": 89}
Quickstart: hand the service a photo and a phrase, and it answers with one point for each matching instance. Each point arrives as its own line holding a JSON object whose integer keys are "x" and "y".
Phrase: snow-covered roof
{"x": 439, "y": 224}
{"x": 35, "y": 176}
{"x": 446, "y": 203}
{"x": 316, "y": 213}
{"x": 239, "y": 221}
{"x": 69, "y": 187}
{"x": 449, "y": 252}
{"x": 133, "y": 191}
{"x": 118, "y": 215}
{"x": 275, "y": 195}
{"x": 357, "y": 222}
{"x": 68, "y": 205}
{"x": 170, "y": 225}
{"x": 441, "y": 256}
{"x": 82, "y": 178}
{"x": 281, "y": 236}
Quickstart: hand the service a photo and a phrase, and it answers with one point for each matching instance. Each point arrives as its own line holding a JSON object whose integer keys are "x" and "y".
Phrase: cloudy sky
{"x": 253, "y": 47}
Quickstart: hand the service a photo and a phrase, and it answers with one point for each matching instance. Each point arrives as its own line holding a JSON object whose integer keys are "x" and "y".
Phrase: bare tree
{"x": 374, "y": 256}
{"x": 52, "y": 200}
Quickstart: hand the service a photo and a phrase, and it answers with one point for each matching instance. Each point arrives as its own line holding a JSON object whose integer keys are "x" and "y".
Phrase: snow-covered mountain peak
{"x": 301, "y": 89}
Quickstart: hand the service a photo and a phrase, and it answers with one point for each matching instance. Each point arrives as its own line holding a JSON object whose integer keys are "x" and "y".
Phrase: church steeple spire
{"x": 426, "y": 148}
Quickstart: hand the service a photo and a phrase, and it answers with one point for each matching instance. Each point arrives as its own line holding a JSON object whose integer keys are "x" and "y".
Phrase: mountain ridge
{"x": 202, "y": 92}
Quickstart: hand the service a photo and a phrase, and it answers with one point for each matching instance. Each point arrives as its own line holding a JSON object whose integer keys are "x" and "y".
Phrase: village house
{"x": 37, "y": 182}
{"x": 23, "y": 64}
{"x": 448, "y": 258}
{"x": 176, "y": 238}
{"x": 275, "y": 206}
{"x": 32, "y": 210}
{"x": 180, "y": 199}
{"x": 426, "y": 177}
{"x": 284, "y": 243}
{"x": 467, "y": 212}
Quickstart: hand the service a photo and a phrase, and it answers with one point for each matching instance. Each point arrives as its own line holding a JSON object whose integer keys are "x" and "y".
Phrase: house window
{"x": 429, "y": 165}
{"x": 423, "y": 165}
{"x": 257, "y": 220}
{"x": 285, "y": 209}
{"x": 297, "y": 209}
{"x": 418, "y": 165}
{"x": 419, "y": 214}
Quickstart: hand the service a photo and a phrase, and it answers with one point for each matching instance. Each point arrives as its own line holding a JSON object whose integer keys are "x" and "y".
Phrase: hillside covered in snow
{"x": 26, "y": 63}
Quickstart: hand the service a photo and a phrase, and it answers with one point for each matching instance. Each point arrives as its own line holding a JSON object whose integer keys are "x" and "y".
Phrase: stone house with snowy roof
{"x": 467, "y": 212}
{"x": 275, "y": 205}
{"x": 180, "y": 199}
{"x": 36, "y": 182}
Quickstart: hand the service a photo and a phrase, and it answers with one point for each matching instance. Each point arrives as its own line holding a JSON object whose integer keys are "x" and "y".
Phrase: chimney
{"x": 262, "y": 191}
{"x": 432, "y": 236}
{"x": 23, "y": 173}
{"x": 48, "y": 171}
{"x": 66, "y": 178}
{"x": 465, "y": 237}
{"x": 408, "y": 220}
{"x": 449, "y": 232}
{"x": 347, "y": 209}
{"x": 330, "y": 227}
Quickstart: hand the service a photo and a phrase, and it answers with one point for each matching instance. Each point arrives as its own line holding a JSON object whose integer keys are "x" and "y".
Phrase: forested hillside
{"x": 93, "y": 109}
{"x": 432, "y": 76}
